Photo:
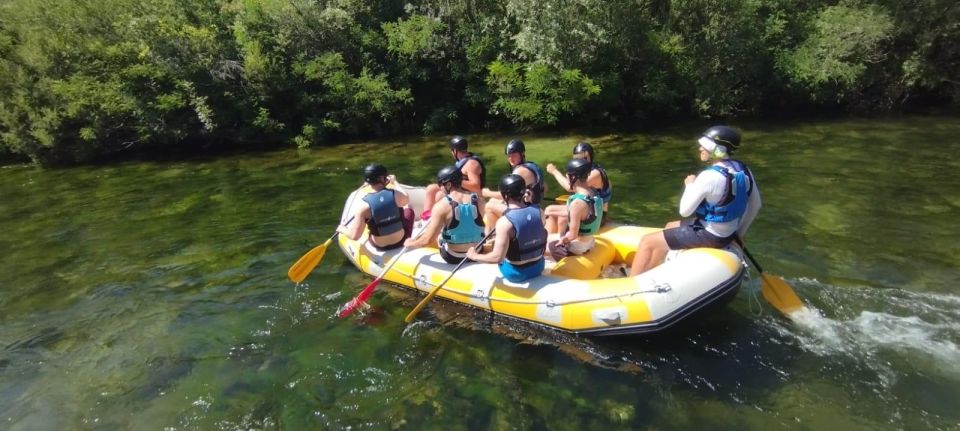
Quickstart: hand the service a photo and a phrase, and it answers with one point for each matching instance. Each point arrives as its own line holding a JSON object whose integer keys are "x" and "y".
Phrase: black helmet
{"x": 373, "y": 172}
{"x": 583, "y": 147}
{"x": 450, "y": 174}
{"x": 512, "y": 186}
{"x": 579, "y": 168}
{"x": 514, "y": 146}
{"x": 723, "y": 135}
{"x": 458, "y": 143}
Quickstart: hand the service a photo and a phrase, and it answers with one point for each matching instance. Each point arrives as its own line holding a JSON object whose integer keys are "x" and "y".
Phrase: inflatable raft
{"x": 570, "y": 295}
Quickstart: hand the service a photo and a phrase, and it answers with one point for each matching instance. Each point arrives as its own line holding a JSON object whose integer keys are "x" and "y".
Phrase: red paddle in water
{"x": 361, "y": 297}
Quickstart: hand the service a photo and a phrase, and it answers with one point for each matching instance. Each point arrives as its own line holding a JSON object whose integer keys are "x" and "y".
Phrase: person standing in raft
{"x": 530, "y": 172}
{"x": 520, "y": 236}
{"x": 457, "y": 217}
{"x": 580, "y": 218}
{"x": 597, "y": 179}
{"x": 718, "y": 205}
{"x": 384, "y": 211}
{"x": 473, "y": 170}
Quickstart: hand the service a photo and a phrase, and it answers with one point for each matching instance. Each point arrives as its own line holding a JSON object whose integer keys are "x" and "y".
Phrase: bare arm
{"x": 496, "y": 255}
{"x": 471, "y": 176}
{"x": 354, "y": 229}
{"x": 400, "y": 196}
{"x": 577, "y": 210}
{"x": 489, "y": 194}
{"x": 440, "y": 214}
{"x": 560, "y": 177}
{"x": 595, "y": 180}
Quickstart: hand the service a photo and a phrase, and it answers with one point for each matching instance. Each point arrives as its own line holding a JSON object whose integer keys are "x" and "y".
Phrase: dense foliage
{"x": 81, "y": 79}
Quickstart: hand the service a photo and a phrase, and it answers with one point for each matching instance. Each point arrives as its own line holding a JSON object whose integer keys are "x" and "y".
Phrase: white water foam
{"x": 871, "y": 335}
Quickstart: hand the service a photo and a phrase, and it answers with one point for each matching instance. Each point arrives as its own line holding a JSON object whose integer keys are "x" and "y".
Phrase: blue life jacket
{"x": 733, "y": 205}
{"x": 607, "y": 191}
{"x": 466, "y": 227}
{"x": 536, "y": 189}
{"x": 530, "y": 238}
{"x": 483, "y": 168}
{"x": 591, "y": 225}
{"x": 385, "y": 215}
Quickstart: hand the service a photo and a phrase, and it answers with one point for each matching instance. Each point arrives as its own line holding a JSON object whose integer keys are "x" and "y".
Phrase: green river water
{"x": 153, "y": 295}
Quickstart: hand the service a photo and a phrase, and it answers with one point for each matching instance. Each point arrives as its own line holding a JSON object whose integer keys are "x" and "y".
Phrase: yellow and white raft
{"x": 570, "y": 295}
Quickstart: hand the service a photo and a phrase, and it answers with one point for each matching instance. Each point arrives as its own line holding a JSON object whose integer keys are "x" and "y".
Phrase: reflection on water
{"x": 153, "y": 295}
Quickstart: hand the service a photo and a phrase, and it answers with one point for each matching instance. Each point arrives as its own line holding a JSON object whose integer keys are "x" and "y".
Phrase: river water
{"x": 153, "y": 295}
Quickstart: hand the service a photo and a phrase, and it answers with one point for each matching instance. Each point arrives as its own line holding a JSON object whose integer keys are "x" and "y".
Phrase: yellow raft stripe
{"x": 597, "y": 304}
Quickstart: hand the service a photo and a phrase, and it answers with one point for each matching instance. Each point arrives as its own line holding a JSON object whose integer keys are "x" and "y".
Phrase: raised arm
{"x": 401, "y": 196}
{"x": 694, "y": 192}
{"x": 559, "y": 176}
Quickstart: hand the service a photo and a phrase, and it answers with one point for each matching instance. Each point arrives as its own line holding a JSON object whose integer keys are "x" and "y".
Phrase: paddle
{"x": 302, "y": 268}
{"x": 425, "y": 300}
{"x": 775, "y": 289}
{"x": 561, "y": 198}
{"x": 361, "y": 297}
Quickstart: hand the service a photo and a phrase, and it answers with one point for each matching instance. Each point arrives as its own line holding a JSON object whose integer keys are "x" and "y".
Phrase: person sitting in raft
{"x": 473, "y": 170}
{"x": 597, "y": 179}
{"x": 457, "y": 217}
{"x": 520, "y": 236}
{"x": 530, "y": 172}
{"x": 718, "y": 205}
{"x": 384, "y": 211}
{"x": 580, "y": 218}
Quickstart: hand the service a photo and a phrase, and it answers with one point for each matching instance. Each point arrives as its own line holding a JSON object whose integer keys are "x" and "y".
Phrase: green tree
{"x": 833, "y": 60}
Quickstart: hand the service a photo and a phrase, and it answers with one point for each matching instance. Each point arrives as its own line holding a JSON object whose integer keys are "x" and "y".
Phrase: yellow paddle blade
{"x": 562, "y": 198}
{"x": 300, "y": 270}
{"x": 780, "y": 295}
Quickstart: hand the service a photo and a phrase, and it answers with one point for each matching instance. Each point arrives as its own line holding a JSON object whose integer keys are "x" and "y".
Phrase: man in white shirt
{"x": 718, "y": 205}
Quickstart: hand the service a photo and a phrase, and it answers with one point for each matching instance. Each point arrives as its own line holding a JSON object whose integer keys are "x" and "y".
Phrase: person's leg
{"x": 553, "y": 214}
{"x": 430, "y": 196}
{"x": 407, "y": 217}
{"x": 494, "y": 210}
{"x": 651, "y": 251}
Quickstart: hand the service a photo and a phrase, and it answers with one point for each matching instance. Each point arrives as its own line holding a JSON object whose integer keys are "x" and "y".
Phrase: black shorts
{"x": 692, "y": 234}
{"x": 449, "y": 258}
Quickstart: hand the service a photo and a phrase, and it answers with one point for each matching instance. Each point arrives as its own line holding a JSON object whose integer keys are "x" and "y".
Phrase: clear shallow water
{"x": 153, "y": 295}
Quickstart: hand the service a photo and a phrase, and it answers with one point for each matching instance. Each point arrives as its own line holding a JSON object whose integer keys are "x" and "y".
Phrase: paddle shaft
{"x": 303, "y": 266}
{"x": 775, "y": 289}
{"x": 367, "y": 291}
{"x": 426, "y": 299}
{"x": 750, "y": 256}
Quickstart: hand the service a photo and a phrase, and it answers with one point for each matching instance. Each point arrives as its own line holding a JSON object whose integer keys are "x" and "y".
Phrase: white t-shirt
{"x": 711, "y": 185}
